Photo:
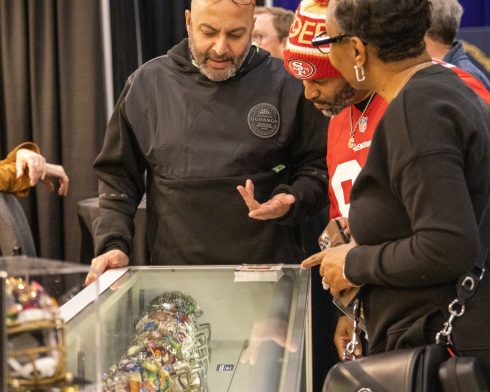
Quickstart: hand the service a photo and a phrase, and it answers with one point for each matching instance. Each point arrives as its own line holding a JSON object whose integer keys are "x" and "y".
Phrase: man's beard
{"x": 342, "y": 100}
{"x": 216, "y": 75}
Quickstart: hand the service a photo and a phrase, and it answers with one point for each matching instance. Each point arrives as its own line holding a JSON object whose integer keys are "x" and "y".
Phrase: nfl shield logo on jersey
{"x": 363, "y": 124}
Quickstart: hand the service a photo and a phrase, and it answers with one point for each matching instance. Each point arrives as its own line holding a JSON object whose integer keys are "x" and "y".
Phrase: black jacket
{"x": 415, "y": 209}
{"x": 198, "y": 140}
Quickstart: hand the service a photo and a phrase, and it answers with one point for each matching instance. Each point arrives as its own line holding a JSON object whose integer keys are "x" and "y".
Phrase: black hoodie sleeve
{"x": 309, "y": 181}
{"x": 120, "y": 168}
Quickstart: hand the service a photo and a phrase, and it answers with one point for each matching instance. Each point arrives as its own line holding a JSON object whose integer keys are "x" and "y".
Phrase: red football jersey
{"x": 344, "y": 163}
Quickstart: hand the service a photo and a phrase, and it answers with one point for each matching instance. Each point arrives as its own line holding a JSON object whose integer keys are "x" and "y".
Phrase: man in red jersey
{"x": 354, "y": 113}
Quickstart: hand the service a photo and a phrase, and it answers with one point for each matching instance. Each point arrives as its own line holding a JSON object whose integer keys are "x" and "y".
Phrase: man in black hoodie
{"x": 192, "y": 126}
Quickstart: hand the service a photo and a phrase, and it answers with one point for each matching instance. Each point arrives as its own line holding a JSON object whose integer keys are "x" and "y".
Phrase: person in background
{"x": 441, "y": 42}
{"x": 24, "y": 167}
{"x": 271, "y": 29}
{"x": 193, "y": 126}
{"x": 416, "y": 204}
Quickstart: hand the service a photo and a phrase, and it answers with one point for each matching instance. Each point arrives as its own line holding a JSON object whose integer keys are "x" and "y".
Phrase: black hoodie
{"x": 197, "y": 140}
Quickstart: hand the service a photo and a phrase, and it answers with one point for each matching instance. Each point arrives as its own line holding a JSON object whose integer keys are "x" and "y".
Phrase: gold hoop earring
{"x": 360, "y": 75}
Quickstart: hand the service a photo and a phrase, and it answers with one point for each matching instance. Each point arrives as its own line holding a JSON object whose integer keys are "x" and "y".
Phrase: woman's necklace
{"x": 362, "y": 119}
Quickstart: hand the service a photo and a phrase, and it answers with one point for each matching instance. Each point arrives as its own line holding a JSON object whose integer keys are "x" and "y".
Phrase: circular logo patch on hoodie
{"x": 264, "y": 120}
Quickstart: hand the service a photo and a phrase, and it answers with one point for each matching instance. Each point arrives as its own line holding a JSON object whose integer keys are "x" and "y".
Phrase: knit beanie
{"x": 301, "y": 58}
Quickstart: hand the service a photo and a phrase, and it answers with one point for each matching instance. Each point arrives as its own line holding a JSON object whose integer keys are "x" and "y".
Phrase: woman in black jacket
{"x": 417, "y": 203}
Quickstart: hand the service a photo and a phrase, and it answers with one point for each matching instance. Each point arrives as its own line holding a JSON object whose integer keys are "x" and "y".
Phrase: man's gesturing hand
{"x": 274, "y": 208}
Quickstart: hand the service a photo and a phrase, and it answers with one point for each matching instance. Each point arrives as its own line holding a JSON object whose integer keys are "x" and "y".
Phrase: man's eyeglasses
{"x": 244, "y": 2}
{"x": 322, "y": 41}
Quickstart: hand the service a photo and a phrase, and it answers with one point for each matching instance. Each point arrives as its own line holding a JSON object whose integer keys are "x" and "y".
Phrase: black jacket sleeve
{"x": 120, "y": 168}
{"x": 433, "y": 157}
{"x": 445, "y": 240}
{"x": 309, "y": 181}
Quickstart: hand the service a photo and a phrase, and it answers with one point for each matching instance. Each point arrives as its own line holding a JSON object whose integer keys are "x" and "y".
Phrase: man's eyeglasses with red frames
{"x": 322, "y": 41}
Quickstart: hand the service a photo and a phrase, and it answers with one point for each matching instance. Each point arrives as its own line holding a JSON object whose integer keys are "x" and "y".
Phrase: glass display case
{"x": 32, "y": 348}
{"x": 229, "y": 331}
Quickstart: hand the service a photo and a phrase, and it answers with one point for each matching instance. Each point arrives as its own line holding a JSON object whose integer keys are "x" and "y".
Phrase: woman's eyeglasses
{"x": 322, "y": 41}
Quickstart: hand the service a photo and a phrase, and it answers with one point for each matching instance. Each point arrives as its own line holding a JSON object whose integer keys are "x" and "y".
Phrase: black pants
{"x": 324, "y": 313}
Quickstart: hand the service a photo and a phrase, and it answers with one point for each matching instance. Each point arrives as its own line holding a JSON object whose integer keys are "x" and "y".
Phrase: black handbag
{"x": 460, "y": 374}
{"x": 431, "y": 368}
{"x": 406, "y": 370}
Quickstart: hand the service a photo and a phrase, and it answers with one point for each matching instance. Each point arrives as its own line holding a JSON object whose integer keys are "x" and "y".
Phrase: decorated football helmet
{"x": 168, "y": 351}
{"x": 35, "y": 336}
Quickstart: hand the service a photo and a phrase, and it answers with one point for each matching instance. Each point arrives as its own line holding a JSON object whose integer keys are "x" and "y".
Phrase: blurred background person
{"x": 271, "y": 29}
{"x": 441, "y": 42}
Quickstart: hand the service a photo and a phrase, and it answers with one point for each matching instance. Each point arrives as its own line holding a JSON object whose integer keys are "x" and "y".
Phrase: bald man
{"x": 213, "y": 115}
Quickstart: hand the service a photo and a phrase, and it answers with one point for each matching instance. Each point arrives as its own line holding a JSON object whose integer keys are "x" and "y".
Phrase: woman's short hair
{"x": 395, "y": 27}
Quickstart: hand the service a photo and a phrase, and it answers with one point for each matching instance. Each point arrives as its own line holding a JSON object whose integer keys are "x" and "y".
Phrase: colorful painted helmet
{"x": 35, "y": 335}
{"x": 168, "y": 351}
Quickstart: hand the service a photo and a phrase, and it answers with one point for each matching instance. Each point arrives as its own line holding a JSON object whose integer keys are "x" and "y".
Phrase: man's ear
{"x": 188, "y": 20}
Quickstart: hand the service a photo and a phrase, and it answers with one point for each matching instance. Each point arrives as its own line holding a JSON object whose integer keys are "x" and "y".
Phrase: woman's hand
{"x": 40, "y": 170}
{"x": 331, "y": 262}
{"x": 35, "y": 163}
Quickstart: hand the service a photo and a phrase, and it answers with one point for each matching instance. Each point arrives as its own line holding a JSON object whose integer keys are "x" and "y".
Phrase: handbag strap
{"x": 350, "y": 348}
{"x": 469, "y": 282}
{"x": 465, "y": 285}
